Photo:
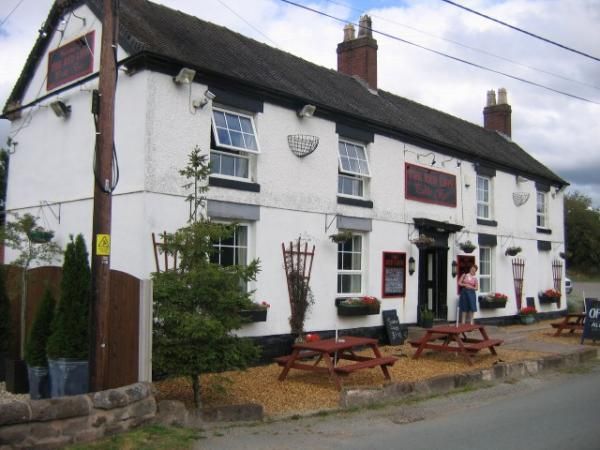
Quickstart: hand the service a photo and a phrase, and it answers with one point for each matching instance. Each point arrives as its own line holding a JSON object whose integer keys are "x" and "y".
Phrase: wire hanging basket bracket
{"x": 520, "y": 198}
{"x": 302, "y": 145}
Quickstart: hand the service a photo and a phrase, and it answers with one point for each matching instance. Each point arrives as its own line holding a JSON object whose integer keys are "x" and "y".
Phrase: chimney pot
{"x": 365, "y": 26}
{"x": 491, "y": 98}
{"x": 349, "y": 32}
{"x": 502, "y": 97}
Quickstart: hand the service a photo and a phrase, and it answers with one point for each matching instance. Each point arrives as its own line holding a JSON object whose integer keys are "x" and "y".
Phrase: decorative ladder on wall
{"x": 159, "y": 247}
{"x": 557, "y": 267}
{"x": 518, "y": 267}
{"x": 297, "y": 260}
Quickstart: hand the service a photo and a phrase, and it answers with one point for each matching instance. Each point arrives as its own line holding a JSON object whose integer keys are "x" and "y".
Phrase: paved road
{"x": 556, "y": 411}
{"x": 590, "y": 289}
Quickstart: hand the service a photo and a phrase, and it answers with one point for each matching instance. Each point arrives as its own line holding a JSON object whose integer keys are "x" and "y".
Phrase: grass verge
{"x": 151, "y": 437}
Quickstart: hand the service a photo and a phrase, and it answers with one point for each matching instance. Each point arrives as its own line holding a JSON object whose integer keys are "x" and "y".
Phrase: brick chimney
{"x": 496, "y": 116}
{"x": 358, "y": 55}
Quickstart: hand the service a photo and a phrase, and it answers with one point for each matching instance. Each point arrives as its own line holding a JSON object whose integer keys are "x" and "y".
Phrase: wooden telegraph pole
{"x": 103, "y": 200}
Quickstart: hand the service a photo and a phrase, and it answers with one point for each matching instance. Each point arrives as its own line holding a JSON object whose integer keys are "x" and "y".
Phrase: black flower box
{"x": 545, "y": 299}
{"x": 485, "y": 303}
{"x": 356, "y": 310}
{"x": 254, "y": 315}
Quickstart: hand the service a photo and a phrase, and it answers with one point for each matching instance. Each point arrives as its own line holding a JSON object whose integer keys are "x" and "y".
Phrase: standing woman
{"x": 467, "y": 303}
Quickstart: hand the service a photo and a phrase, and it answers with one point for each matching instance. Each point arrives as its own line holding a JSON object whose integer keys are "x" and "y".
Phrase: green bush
{"x": 70, "y": 327}
{"x": 5, "y": 317}
{"x": 35, "y": 351}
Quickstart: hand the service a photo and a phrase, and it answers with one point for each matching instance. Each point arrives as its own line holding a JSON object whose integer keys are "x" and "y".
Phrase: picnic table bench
{"x": 455, "y": 339}
{"x": 331, "y": 351}
{"x": 571, "y": 322}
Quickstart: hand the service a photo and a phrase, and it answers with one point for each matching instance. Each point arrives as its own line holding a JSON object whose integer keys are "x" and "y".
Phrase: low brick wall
{"x": 54, "y": 423}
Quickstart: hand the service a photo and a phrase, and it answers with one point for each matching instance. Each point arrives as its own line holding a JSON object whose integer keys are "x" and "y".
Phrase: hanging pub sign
{"x": 591, "y": 324}
{"x": 393, "y": 274}
{"x": 70, "y": 61}
{"x": 430, "y": 186}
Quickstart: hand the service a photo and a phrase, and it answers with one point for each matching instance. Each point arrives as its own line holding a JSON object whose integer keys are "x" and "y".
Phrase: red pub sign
{"x": 430, "y": 186}
{"x": 71, "y": 61}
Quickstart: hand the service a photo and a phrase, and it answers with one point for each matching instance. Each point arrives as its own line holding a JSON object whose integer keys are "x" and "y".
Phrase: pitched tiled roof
{"x": 157, "y": 30}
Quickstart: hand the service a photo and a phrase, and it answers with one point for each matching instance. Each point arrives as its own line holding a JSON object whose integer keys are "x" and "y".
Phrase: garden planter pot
{"x": 68, "y": 377}
{"x": 16, "y": 376}
{"x": 254, "y": 315}
{"x": 426, "y": 323}
{"x": 39, "y": 382}
{"x": 527, "y": 320}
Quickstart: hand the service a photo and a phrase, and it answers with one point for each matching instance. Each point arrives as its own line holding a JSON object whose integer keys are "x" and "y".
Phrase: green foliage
{"x": 17, "y": 236}
{"x": 301, "y": 298}
{"x": 197, "y": 307}
{"x": 5, "y": 322}
{"x": 196, "y": 170}
{"x": 35, "y": 351}
{"x": 70, "y": 327}
{"x": 582, "y": 234}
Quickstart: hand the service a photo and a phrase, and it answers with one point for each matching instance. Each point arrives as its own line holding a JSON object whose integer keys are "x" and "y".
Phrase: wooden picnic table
{"x": 571, "y": 322}
{"x": 330, "y": 351}
{"x": 455, "y": 339}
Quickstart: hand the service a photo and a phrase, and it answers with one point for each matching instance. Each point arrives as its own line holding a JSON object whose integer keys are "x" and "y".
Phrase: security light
{"x": 307, "y": 111}
{"x": 185, "y": 76}
{"x": 60, "y": 109}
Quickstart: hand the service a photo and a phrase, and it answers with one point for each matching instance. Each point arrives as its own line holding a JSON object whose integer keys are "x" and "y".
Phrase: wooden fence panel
{"x": 123, "y": 342}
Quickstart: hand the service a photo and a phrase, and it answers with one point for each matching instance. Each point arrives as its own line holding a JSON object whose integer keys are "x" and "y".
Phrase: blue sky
{"x": 561, "y": 132}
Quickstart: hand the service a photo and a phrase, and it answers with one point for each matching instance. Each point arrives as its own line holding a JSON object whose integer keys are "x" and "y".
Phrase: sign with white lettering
{"x": 70, "y": 61}
{"x": 591, "y": 326}
{"x": 394, "y": 274}
{"x": 430, "y": 186}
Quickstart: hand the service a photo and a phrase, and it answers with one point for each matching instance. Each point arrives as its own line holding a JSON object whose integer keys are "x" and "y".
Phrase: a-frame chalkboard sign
{"x": 396, "y": 333}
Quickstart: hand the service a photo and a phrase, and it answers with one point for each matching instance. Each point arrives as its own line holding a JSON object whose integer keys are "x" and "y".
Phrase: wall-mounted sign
{"x": 431, "y": 186}
{"x": 393, "y": 274}
{"x": 70, "y": 61}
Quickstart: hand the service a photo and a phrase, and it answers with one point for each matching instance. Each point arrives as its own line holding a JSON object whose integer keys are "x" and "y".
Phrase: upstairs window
{"x": 542, "y": 209}
{"x": 235, "y": 144}
{"x": 484, "y": 208}
{"x": 349, "y": 266}
{"x": 353, "y": 169}
{"x": 234, "y": 131}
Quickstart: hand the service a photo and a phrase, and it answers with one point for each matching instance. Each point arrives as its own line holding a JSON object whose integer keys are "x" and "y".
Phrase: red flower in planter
{"x": 527, "y": 311}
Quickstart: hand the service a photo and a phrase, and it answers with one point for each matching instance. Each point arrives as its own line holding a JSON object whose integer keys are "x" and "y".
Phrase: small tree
{"x": 70, "y": 327}
{"x": 35, "y": 351}
{"x": 34, "y": 244}
{"x": 197, "y": 306}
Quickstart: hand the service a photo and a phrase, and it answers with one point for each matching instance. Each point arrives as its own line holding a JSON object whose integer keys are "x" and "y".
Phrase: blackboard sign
{"x": 71, "y": 61}
{"x": 393, "y": 274}
{"x": 591, "y": 326}
{"x": 430, "y": 186}
{"x": 396, "y": 334}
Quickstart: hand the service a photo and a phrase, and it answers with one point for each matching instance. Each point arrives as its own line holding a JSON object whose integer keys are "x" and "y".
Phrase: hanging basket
{"x": 302, "y": 145}
{"x": 520, "y": 198}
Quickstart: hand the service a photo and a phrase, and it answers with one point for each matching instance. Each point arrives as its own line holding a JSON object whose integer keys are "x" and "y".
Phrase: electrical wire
{"x": 445, "y": 55}
{"x": 11, "y": 13}
{"x": 249, "y": 24}
{"x": 475, "y": 49}
{"x": 528, "y": 33}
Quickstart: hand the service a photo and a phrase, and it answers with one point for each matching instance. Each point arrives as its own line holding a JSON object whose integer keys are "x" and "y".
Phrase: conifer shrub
{"x": 70, "y": 327}
{"x": 35, "y": 350}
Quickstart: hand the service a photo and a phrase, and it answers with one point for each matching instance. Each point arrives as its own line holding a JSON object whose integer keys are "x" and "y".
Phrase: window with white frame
{"x": 353, "y": 169}
{"x": 349, "y": 266}
{"x": 542, "y": 209}
{"x": 485, "y": 269}
{"x": 232, "y": 250}
{"x": 235, "y": 140}
{"x": 484, "y": 192}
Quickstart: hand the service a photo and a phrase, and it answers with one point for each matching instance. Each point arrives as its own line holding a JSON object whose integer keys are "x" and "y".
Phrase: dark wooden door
{"x": 433, "y": 272}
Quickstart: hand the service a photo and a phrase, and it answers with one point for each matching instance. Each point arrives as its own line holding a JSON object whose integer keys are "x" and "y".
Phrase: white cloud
{"x": 561, "y": 132}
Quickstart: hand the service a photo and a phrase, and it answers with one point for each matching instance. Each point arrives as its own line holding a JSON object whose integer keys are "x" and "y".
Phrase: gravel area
{"x": 6, "y": 396}
{"x": 304, "y": 392}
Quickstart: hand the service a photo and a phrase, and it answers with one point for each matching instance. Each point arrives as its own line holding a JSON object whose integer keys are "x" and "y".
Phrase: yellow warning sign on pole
{"x": 103, "y": 244}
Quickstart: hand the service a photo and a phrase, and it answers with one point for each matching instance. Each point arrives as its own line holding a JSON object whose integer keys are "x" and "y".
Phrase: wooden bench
{"x": 479, "y": 345}
{"x": 369, "y": 363}
{"x": 567, "y": 326}
{"x": 307, "y": 354}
